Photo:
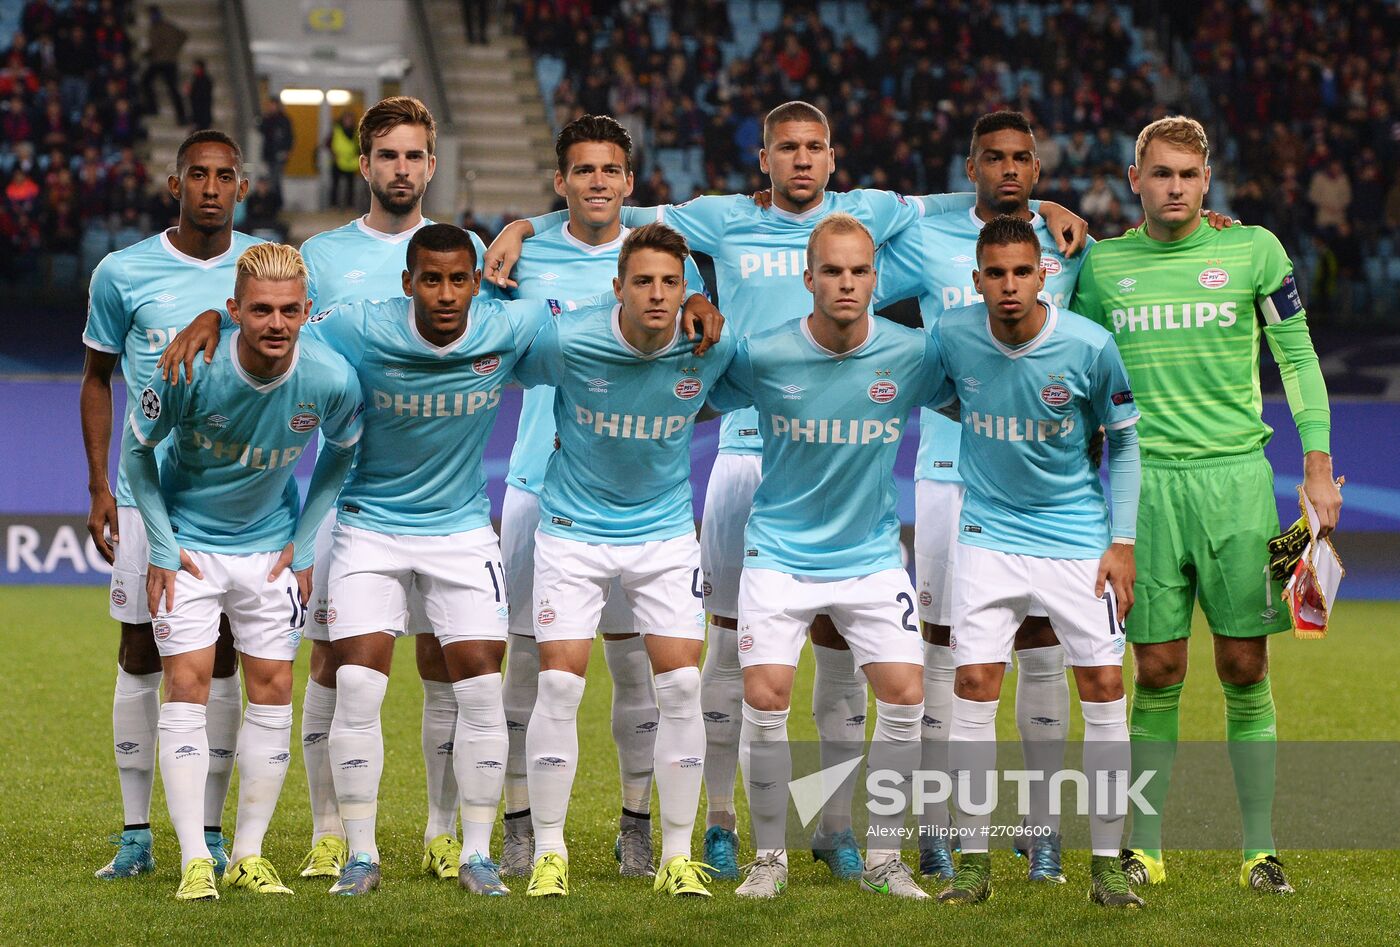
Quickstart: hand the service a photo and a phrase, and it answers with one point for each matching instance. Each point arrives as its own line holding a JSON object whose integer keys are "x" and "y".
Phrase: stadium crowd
{"x": 1309, "y": 117}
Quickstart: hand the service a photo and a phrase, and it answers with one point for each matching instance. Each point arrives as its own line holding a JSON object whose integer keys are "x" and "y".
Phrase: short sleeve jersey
{"x": 1027, "y": 415}
{"x": 933, "y": 262}
{"x": 557, "y": 265}
{"x": 429, "y": 410}
{"x": 142, "y": 296}
{"x": 356, "y": 262}
{"x": 235, "y": 439}
{"x": 1187, "y": 317}
{"x": 831, "y": 424}
{"x": 760, "y": 255}
{"x": 625, "y": 420}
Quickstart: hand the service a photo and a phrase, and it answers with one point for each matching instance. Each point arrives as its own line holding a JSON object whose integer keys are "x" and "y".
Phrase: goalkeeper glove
{"x": 1286, "y": 549}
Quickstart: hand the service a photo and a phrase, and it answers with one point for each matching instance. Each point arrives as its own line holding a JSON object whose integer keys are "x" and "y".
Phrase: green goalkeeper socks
{"x": 1152, "y": 729}
{"x": 1250, "y": 728}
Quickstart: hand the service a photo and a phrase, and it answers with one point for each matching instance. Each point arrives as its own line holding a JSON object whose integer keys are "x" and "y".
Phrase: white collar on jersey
{"x": 616, "y": 321}
{"x": 208, "y": 264}
{"x": 870, "y": 326}
{"x": 447, "y": 349}
{"x": 261, "y": 386}
{"x": 612, "y": 246}
{"x": 806, "y": 215}
{"x": 1052, "y": 316}
{"x": 979, "y": 223}
{"x": 369, "y": 231}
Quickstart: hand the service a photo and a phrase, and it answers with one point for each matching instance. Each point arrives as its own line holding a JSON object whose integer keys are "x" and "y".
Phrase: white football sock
{"x": 439, "y": 732}
{"x": 184, "y": 768}
{"x": 972, "y": 757}
{"x": 522, "y": 681}
{"x": 551, "y": 749}
{"x": 1042, "y": 719}
{"x": 357, "y": 753}
{"x": 721, "y": 697}
{"x": 939, "y": 673}
{"x": 839, "y": 708}
{"x": 766, "y": 759}
{"x": 479, "y": 756}
{"x": 264, "y": 750}
{"x": 317, "y": 711}
{"x": 680, "y": 755}
{"x": 894, "y": 747}
{"x": 634, "y": 719}
{"x": 224, "y": 713}
{"x": 1106, "y": 762}
{"x": 135, "y": 719}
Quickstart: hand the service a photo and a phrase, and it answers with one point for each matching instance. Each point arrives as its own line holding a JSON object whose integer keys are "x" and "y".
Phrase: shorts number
{"x": 1115, "y": 627}
{"x": 904, "y": 598}
{"x": 298, "y": 609}
{"x": 496, "y": 584}
{"x": 695, "y": 584}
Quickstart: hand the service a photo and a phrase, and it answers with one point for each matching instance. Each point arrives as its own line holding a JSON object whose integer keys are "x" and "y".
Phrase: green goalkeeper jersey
{"x": 1187, "y": 317}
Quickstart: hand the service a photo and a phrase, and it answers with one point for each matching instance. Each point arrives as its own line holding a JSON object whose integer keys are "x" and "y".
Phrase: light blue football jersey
{"x": 558, "y": 265}
{"x": 826, "y": 505}
{"x": 760, "y": 255}
{"x": 429, "y": 410}
{"x": 227, "y": 480}
{"x": 356, "y": 262}
{"x": 142, "y": 296}
{"x": 1027, "y": 415}
{"x": 933, "y": 263}
{"x": 625, "y": 419}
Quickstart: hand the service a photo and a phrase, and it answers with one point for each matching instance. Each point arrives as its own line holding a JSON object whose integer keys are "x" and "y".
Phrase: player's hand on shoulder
{"x": 102, "y": 523}
{"x": 699, "y": 317}
{"x": 1070, "y": 230}
{"x": 503, "y": 253}
{"x": 201, "y": 335}
{"x": 1217, "y": 220}
{"x": 763, "y": 198}
{"x": 1118, "y": 569}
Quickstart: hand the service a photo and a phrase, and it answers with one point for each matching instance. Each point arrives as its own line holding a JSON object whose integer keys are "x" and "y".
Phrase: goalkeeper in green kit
{"x": 1187, "y": 306}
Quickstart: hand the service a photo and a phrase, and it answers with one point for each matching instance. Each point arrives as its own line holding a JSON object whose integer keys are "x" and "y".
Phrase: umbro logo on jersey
{"x": 393, "y": 371}
{"x": 971, "y": 383}
{"x": 166, "y": 299}
{"x": 1126, "y": 284}
{"x": 597, "y": 385}
{"x": 354, "y": 276}
{"x": 549, "y": 276}
{"x": 216, "y": 420}
{"x": 962, "y": 258}
{"x": 792, "y": 392}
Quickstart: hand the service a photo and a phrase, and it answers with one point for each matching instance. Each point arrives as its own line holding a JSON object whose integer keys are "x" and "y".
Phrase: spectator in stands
{"x": 275, "y": 126}
{"x": 164, "y": 40}
{"x": 1330, "y": 194}
{"x": 344, "y": 148}
{"x": 201, "y": 95}
{"x": 264, "y": 207}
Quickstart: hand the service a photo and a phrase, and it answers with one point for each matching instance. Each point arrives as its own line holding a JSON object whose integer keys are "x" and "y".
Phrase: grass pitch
{"x": 59, "y": 801}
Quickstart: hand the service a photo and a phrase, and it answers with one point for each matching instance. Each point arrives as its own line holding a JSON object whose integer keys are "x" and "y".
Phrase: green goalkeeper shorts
{"x": 1203, "y": 531}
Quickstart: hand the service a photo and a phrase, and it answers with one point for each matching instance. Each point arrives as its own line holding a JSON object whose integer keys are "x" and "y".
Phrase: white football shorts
{"x": 996, "y": 590}
{"x": 317, "y": 628}
{"x": 131, "y": 554}
{"x": 728, "y": 500}
{"x": 660, "y": 581}
{"x": 266, "y": 617}
{"x": 520, "y": 517}
{"x": 875, "y": 613}
{"x": 459, "y": 576}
